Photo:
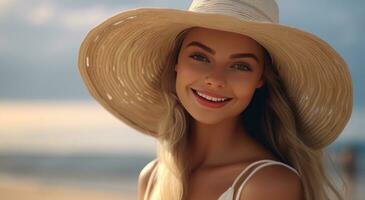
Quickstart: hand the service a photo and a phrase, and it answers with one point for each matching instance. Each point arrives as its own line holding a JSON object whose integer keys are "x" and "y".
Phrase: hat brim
{"x": 120, "y": 61}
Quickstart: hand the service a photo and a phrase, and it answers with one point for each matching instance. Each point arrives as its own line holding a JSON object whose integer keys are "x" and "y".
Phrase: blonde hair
{"x": 269, "y": 118}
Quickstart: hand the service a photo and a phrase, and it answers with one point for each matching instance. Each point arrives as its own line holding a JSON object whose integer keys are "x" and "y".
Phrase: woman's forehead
{"x": 217, "y": 39}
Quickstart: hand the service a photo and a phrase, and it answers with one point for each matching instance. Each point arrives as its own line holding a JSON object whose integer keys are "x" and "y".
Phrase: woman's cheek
{"x": 242, "y": 86}
{"x": 237, "y": 81}
{"x": 192, "y": 71}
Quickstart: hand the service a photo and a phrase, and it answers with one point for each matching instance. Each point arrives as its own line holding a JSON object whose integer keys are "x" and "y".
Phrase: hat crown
{"x": 253, "y": 10}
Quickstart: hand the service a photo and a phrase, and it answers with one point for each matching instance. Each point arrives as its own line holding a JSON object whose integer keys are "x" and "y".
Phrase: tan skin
{"x": 220, "y": 146}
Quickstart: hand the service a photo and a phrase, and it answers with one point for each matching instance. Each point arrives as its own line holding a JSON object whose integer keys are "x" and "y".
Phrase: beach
{"x": 22, "y": 189}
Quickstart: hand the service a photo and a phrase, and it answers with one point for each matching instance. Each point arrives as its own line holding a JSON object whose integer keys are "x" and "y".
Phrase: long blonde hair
{"x": 269, "y": 118}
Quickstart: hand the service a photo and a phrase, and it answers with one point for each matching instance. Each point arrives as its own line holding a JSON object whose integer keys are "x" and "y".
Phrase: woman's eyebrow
{"x": 211, "y": 51}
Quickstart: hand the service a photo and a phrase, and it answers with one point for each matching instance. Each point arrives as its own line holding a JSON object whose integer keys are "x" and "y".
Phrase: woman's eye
{"x": 242, "y": 66}
{"x": 199, "y": 57}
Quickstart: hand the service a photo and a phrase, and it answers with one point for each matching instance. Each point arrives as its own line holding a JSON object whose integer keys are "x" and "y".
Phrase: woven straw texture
{"x": 121, "y": 59}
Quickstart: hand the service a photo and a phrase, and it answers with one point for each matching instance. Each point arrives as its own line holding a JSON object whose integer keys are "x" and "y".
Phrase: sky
{"x": 39, "y": 43}
{"x": 66, "y": 128}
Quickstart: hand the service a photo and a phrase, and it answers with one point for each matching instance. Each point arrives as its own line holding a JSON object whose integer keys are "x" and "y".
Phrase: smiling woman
{"x": 240, "y": 105}
{"x": 218, "y": 98}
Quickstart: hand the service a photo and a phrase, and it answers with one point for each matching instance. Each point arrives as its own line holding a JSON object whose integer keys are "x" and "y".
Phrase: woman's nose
{"x": 216, "y": 79}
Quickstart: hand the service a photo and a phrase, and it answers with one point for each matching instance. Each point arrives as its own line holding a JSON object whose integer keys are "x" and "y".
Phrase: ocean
{"x": 104, "y": 172}
{"x": 98, "y": 171}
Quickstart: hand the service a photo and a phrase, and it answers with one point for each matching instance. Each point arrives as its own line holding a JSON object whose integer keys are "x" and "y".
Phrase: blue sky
{"x": 39, "y": 40}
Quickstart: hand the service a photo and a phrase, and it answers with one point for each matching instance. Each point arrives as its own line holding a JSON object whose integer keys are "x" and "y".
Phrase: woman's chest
{"x": 206, "y": 185}
{"x": 210, "y": 185}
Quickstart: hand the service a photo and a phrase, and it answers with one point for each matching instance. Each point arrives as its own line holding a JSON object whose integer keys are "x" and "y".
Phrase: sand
{"x": 14, "y": 189}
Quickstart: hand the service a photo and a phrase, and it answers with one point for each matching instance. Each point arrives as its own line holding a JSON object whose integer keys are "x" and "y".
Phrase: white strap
{"x": 270, "y": 162}
{"x": 247, "y": 168}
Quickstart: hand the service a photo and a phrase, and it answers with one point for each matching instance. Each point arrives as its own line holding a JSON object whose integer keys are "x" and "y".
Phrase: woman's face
{"x": 221, "y": 66}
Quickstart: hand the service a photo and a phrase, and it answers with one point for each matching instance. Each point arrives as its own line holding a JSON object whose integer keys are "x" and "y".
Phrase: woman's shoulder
{"x": 278, "y": 182}
{"x": 144, "y": 176}
{"x": 149, "y": 167}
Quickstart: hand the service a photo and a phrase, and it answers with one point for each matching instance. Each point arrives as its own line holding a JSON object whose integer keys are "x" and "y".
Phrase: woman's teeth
{"x": 211, "y": 98}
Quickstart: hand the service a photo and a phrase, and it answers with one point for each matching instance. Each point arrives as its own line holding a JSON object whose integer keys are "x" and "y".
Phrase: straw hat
{"x": 121, "y": 60}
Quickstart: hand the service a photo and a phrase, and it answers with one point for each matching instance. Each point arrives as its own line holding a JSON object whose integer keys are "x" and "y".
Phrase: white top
{"x": 228, "y": 194}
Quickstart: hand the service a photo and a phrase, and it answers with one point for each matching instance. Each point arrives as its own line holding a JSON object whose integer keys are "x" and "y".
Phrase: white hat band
{"x": 258, "y": 10}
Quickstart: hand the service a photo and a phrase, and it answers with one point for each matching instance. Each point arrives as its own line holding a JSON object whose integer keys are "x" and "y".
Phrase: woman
{"x": 240, "y": 105}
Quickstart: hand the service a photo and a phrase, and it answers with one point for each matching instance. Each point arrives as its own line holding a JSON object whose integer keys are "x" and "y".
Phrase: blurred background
{"x": 57, "y": 143}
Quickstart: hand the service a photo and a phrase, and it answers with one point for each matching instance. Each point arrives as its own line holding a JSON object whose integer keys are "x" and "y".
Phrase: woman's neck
{"x": 211, "y": 144}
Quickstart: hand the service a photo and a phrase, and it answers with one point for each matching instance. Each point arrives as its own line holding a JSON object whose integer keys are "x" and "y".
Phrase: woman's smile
{"x": 209, "y": 101}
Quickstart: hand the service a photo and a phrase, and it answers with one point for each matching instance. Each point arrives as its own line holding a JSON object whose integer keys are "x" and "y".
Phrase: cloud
{"x": 6, "y": 5}
{"x": 83, "y": 17}
{"x": 335, "y": 21}
{"x": 55, "y": 28}
{"x": 41, "y": 14}
{"x": 67, "y": 17}
{"x": 63, "y": 16}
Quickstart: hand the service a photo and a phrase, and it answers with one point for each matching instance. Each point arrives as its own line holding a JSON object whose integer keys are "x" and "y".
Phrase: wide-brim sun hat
{"x": 121, "y": 60}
